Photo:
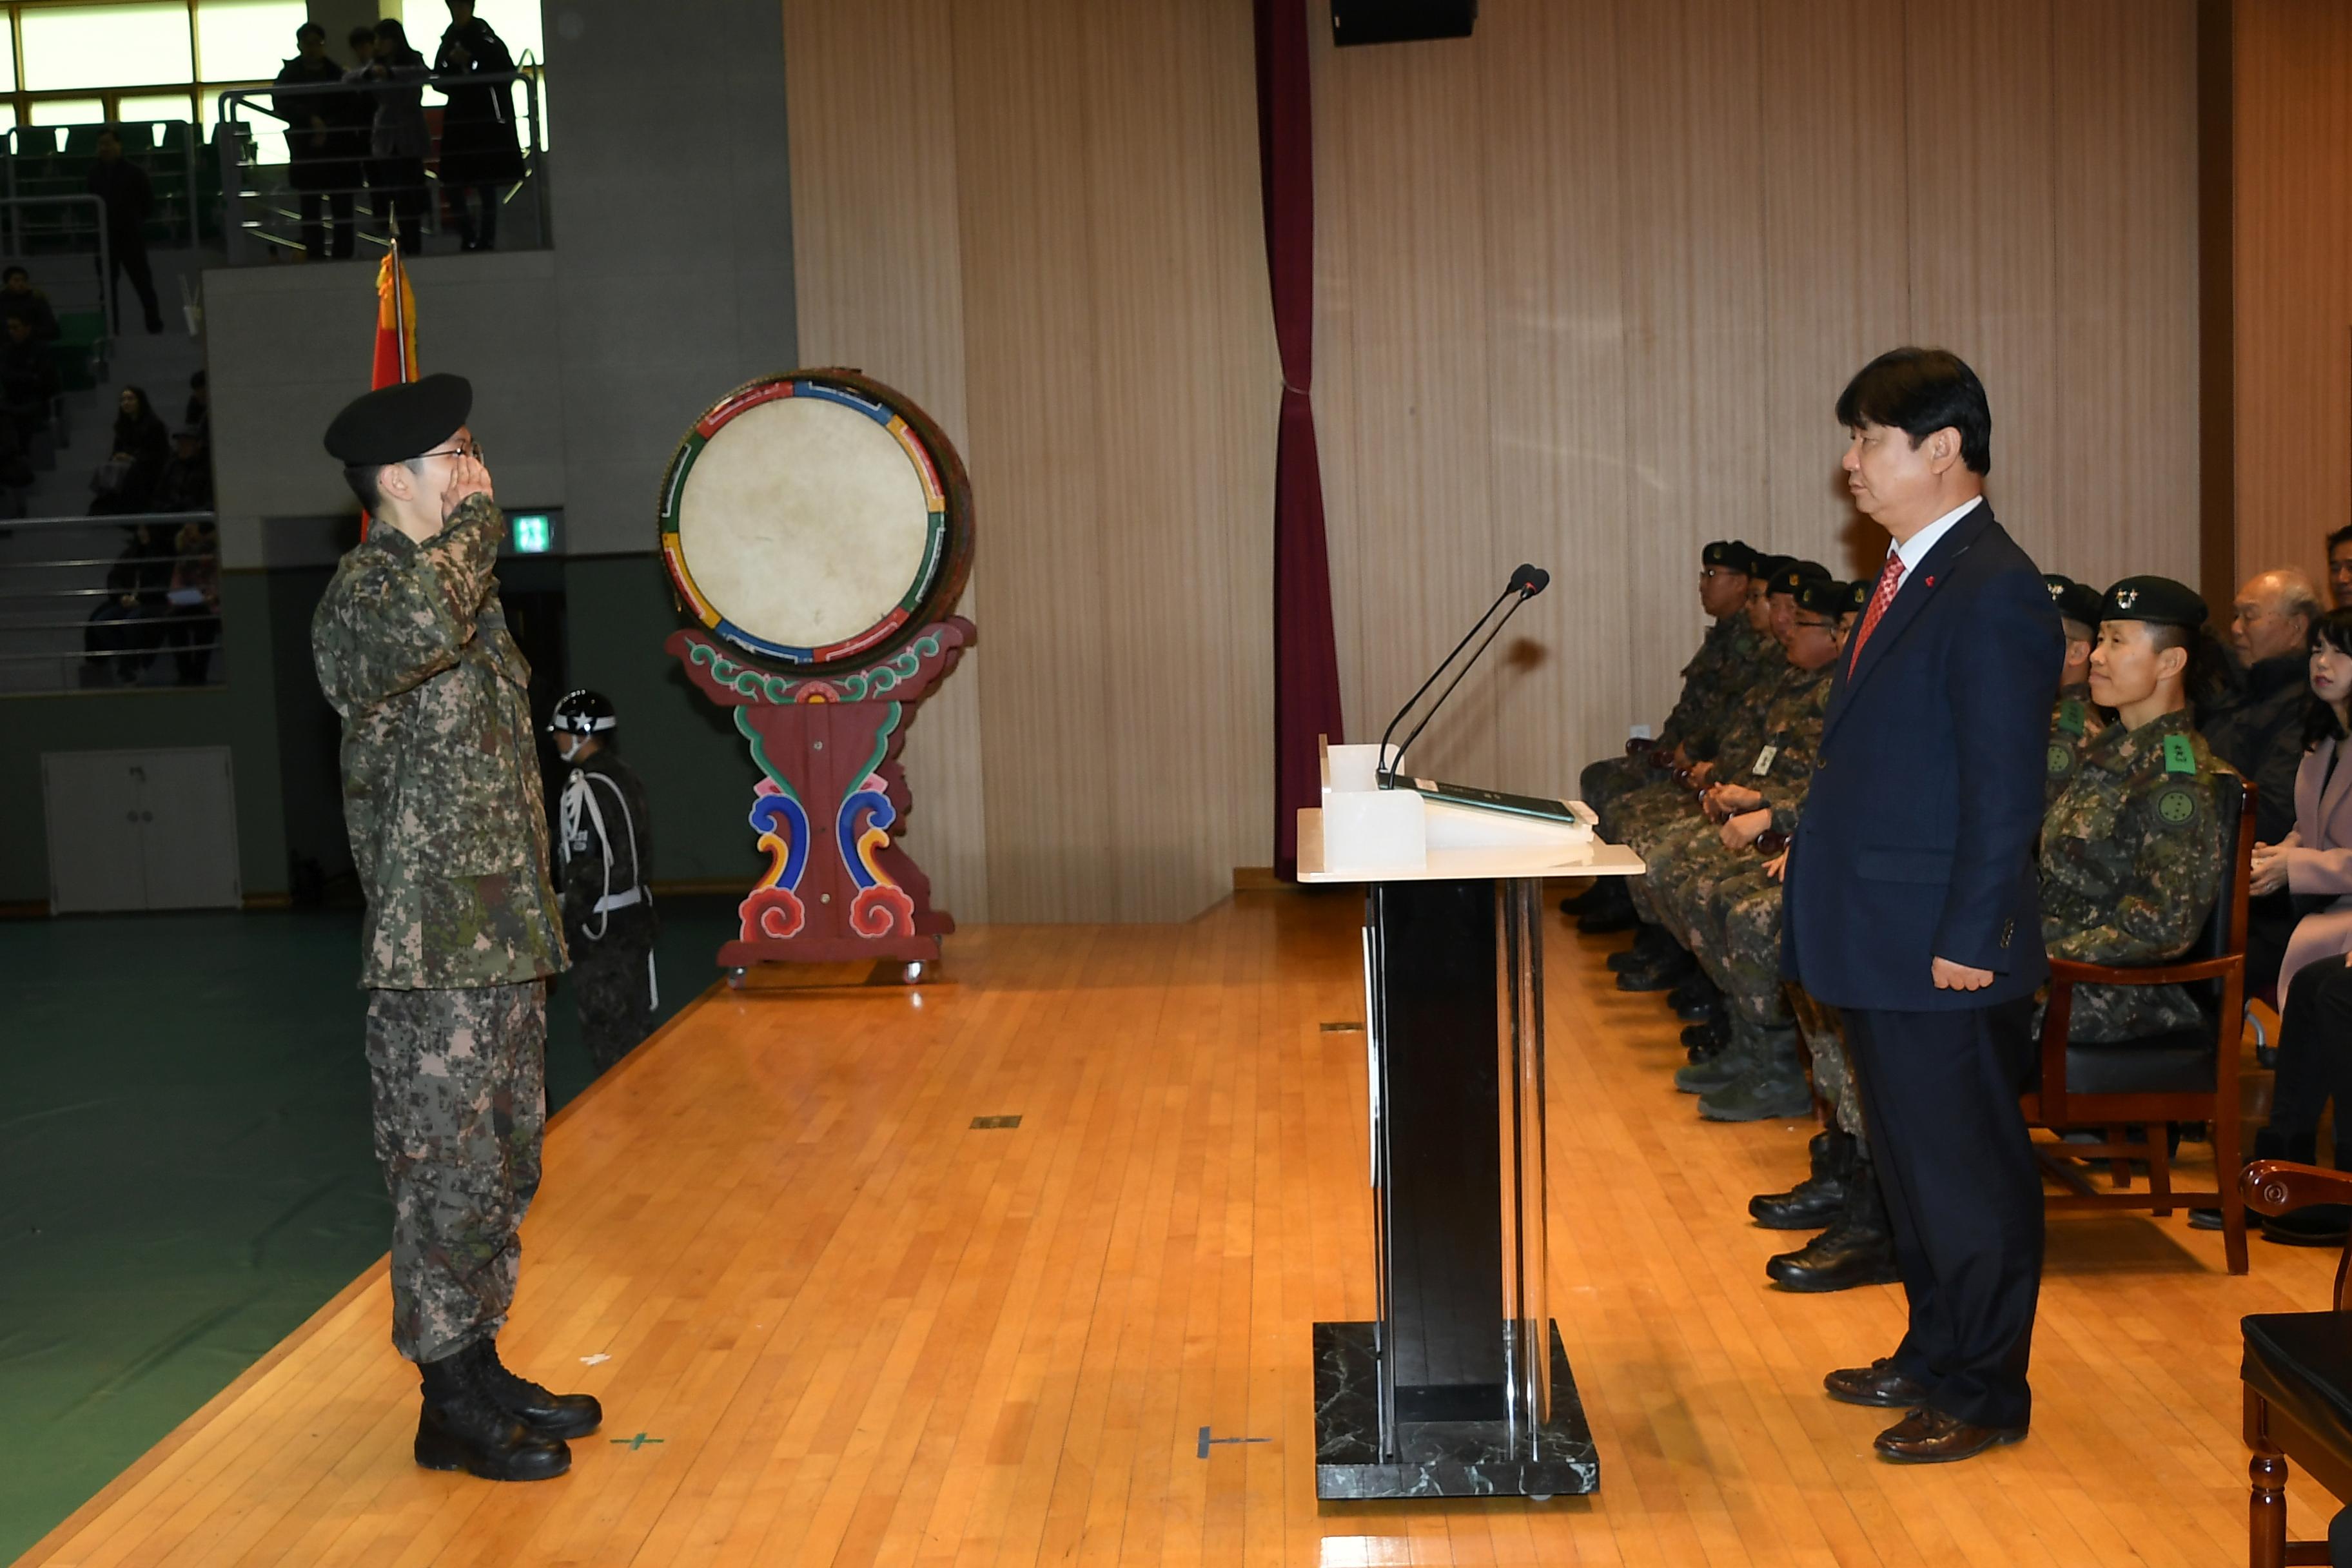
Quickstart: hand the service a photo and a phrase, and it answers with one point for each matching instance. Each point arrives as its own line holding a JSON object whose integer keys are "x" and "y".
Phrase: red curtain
{"x": 1305, "y": 650}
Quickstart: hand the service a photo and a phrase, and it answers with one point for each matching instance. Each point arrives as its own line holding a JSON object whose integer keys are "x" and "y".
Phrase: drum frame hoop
{"x": 947, "y": 494}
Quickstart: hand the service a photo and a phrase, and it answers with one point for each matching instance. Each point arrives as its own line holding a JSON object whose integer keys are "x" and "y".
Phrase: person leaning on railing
{"x": 319, "y": 143}
{"x": 478, "y": 149}
{"x": 398, "y": 138}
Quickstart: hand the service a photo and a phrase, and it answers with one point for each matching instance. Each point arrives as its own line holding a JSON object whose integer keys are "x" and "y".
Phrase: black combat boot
{"x": 1608, "y": 908}
{"x": 1819, "y": 1198}
{"x": 1694, "y": 996}
{"x": 1773, "y": 1087}
{"x": 1741, "y": 1052}
{"x": 549, "y": 1415}
{"x": 1710, "y": 1035}
{"x": 1859, "y": 1249}
{"x": 463, "y": 1429}
{"x": 1593, "y": 898}
{"x": 1651, "y": 943}
{"x": 1659, "y": 975}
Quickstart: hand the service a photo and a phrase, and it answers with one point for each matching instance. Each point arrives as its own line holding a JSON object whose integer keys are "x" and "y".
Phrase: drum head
{"x": 816, "y": 520}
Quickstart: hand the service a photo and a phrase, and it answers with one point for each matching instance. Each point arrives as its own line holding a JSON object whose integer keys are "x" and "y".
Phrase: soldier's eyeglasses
{"x": 474, "y": 451}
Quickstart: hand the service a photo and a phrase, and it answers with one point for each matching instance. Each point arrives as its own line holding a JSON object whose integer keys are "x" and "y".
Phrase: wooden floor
{"x": 851, "y": 1329}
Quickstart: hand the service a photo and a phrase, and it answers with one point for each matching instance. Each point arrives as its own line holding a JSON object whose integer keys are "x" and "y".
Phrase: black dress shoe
{"x": 1928, "y": 1437}
{"x": 549, "y": 1415}
{"x": 461, "y": 1427}
{"x": 1878, "y": 1385}
{"x": 2313, "y": 1224}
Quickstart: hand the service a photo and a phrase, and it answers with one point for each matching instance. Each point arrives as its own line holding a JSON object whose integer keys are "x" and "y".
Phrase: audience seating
{"x": 2189, "y": 1076}
{"x": 2297, "y": 1371}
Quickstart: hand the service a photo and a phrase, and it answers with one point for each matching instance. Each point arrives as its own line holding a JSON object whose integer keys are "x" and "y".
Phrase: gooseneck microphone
{"x": 1526, "y": 583}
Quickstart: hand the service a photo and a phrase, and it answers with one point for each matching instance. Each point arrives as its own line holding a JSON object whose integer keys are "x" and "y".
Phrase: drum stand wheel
{"x": 914, "y": 972}
{"x": 735, "y": 977}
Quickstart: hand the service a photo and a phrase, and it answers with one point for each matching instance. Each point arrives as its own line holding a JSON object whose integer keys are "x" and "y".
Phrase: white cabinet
{"x": 141, "y": 830}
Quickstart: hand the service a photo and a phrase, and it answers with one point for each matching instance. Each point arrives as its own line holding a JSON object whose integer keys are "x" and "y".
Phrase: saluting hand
{"x": 467, "y": 477}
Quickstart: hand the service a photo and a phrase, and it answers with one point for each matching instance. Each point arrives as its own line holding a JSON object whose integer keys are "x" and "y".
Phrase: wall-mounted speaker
{"x": 1400, "y": 21}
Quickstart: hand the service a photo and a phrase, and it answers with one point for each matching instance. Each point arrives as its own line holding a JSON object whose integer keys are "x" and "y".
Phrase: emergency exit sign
{"x": 534, "y": 533}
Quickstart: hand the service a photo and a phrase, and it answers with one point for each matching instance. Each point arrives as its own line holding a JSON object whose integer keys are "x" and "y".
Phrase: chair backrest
{"x": 36, "y": 140}
{"x": 2225, "y": 926}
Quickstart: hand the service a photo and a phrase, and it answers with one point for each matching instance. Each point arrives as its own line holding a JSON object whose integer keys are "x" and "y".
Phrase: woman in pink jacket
{"x": 2313, "y": 863}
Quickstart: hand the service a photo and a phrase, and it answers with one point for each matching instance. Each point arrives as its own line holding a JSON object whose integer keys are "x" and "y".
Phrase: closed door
{"x": 188, "y": 826}
{"x": 141, "y": 830}
{"x": 91, "y": 804}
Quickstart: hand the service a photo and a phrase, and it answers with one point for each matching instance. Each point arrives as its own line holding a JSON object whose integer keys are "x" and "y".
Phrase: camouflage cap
{"x": 2157, "y": 600}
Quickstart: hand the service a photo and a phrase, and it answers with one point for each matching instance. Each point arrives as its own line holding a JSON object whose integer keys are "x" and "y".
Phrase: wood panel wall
{"x": 1591, "y": 280}
{"x": 1588, "y": 285}
{"x": 2292, "y": 168}
{"x": 1041, "y": 218}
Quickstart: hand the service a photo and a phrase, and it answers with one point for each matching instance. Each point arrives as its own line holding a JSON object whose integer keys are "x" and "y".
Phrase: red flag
{"x": 395, "y": 333}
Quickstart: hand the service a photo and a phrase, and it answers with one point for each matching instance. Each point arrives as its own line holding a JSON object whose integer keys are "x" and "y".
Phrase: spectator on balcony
{"x": 123, "y": 186}
{"x": 192, "y": 622}
{"x": 125, "y": 483}
{"x": 121, "y": 634}
{"x": 200, "y": 404}
{"x": 185, "y": 483}
{"x": 398, "y": 138}
{"x": 19, "y": 298}
{"x": 319, "y": 142}
{"x": 28, "y": 376}
{"x": 479, "y": 152}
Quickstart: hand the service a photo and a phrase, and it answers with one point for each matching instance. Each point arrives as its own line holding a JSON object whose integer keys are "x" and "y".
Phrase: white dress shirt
{"x": 1915, "y": 549}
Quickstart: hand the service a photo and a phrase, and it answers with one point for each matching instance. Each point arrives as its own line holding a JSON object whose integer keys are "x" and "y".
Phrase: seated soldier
{"x": 2131, "y": 849}
{"x": 1658, "y": 960}
{"x": 1723, "y": 668}
{"x": 1713, "y": 870}
{"x": 2076, "y": 717}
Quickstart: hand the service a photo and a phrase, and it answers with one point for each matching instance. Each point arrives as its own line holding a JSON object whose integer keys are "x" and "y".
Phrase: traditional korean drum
{"x": 817, "y": 520}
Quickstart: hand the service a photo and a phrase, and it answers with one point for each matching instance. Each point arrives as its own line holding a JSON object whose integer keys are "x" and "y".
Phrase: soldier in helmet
{"x": 604, "y": 840}
{"x": 2131, "y": 849}
{"x": 448, "y": 831}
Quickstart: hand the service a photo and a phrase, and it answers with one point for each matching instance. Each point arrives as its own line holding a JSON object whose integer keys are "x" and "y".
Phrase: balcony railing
{"x": 109, "y": 603}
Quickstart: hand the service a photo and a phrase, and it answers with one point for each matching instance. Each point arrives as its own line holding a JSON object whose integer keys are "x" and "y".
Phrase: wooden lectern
{"x": 1460, "y": 1387}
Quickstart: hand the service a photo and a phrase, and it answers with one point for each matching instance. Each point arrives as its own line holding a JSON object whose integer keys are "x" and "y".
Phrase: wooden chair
{"x": 2190, "y": 1075}
{"x": 2297, "y": 1371}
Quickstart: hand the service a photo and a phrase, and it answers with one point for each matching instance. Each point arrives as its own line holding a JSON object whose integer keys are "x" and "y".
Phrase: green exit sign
{"x": 534, "y": 533}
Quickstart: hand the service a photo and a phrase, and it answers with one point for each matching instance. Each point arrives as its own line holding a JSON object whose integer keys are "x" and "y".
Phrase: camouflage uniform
{"x": 612, "y": 978}
{"x": 2073, "y": 720}
{"x": 2131, "y": 863}
{"x": 448, "y": 832}
{"x": 1722, "y": 669}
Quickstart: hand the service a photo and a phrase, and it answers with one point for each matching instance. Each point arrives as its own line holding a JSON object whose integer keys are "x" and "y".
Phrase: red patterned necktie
{"x": 1890, "y": 577}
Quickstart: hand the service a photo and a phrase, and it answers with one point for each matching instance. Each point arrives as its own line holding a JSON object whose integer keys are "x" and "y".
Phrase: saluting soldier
{"x": 2075, "y": 719}
{"x": 449, "y": 832}
{"x": 2131, "y": 849}
{"x": 604, "y": 836}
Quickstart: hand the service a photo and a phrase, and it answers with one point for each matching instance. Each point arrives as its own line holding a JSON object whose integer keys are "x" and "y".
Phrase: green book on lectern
{"x": 1495, "y": 800}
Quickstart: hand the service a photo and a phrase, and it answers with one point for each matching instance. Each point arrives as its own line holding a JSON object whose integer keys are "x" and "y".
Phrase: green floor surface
{"x": 185, "y": 1169}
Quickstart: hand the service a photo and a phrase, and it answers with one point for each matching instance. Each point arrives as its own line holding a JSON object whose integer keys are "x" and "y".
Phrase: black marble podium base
{"x": 1439, "y": 1459}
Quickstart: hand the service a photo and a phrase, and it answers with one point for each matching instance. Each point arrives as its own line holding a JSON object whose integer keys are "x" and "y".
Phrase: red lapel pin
{"x": 1931, "y": 581}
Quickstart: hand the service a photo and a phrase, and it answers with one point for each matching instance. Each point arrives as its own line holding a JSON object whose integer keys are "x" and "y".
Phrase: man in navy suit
{"x": 1912, "y": 901}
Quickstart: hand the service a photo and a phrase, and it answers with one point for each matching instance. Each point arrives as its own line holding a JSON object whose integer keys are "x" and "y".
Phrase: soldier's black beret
{"x": 1735, "y": 553}
{"x": 1823, "y": 596}
{"x": 2074, "y": 600}
{"x": 1793, "y": 575}
{"x": 1857, "y": 595}
{"x": 2157, "y": 599}
{"x": 392, "y": 424}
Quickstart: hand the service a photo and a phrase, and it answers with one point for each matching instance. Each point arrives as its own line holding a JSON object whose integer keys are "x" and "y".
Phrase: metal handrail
{"x": 229, "y": 137}
{"x": 124, "y": 520}
{"x": 12, "y": 227}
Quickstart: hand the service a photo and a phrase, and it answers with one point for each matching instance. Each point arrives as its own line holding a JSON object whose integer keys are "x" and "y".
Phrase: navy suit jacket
{"x": 1917, "y": 836}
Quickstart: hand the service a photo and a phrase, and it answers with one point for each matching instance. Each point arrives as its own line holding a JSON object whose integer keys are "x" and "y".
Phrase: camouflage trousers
{"x": 1605, "y": 783}
{"x": 1824, "y": 1036}
{"x": 460, "y": 1101}
{"x": 611, "y": 986}
{"x": 1738, "y": 941}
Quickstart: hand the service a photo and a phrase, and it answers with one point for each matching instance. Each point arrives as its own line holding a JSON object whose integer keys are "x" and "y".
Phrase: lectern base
{"x": 1439, "y": 1459}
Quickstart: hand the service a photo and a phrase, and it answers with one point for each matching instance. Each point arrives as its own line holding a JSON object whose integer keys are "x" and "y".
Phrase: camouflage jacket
{"x": 441, "y": 791}
{"x": 2073, "y": 720}
{"x": 1745, "y": 727}
{"x": 1782, "y": 769}
{"x": 2131, "y": 863}
{"x": 1751, "y": 662}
